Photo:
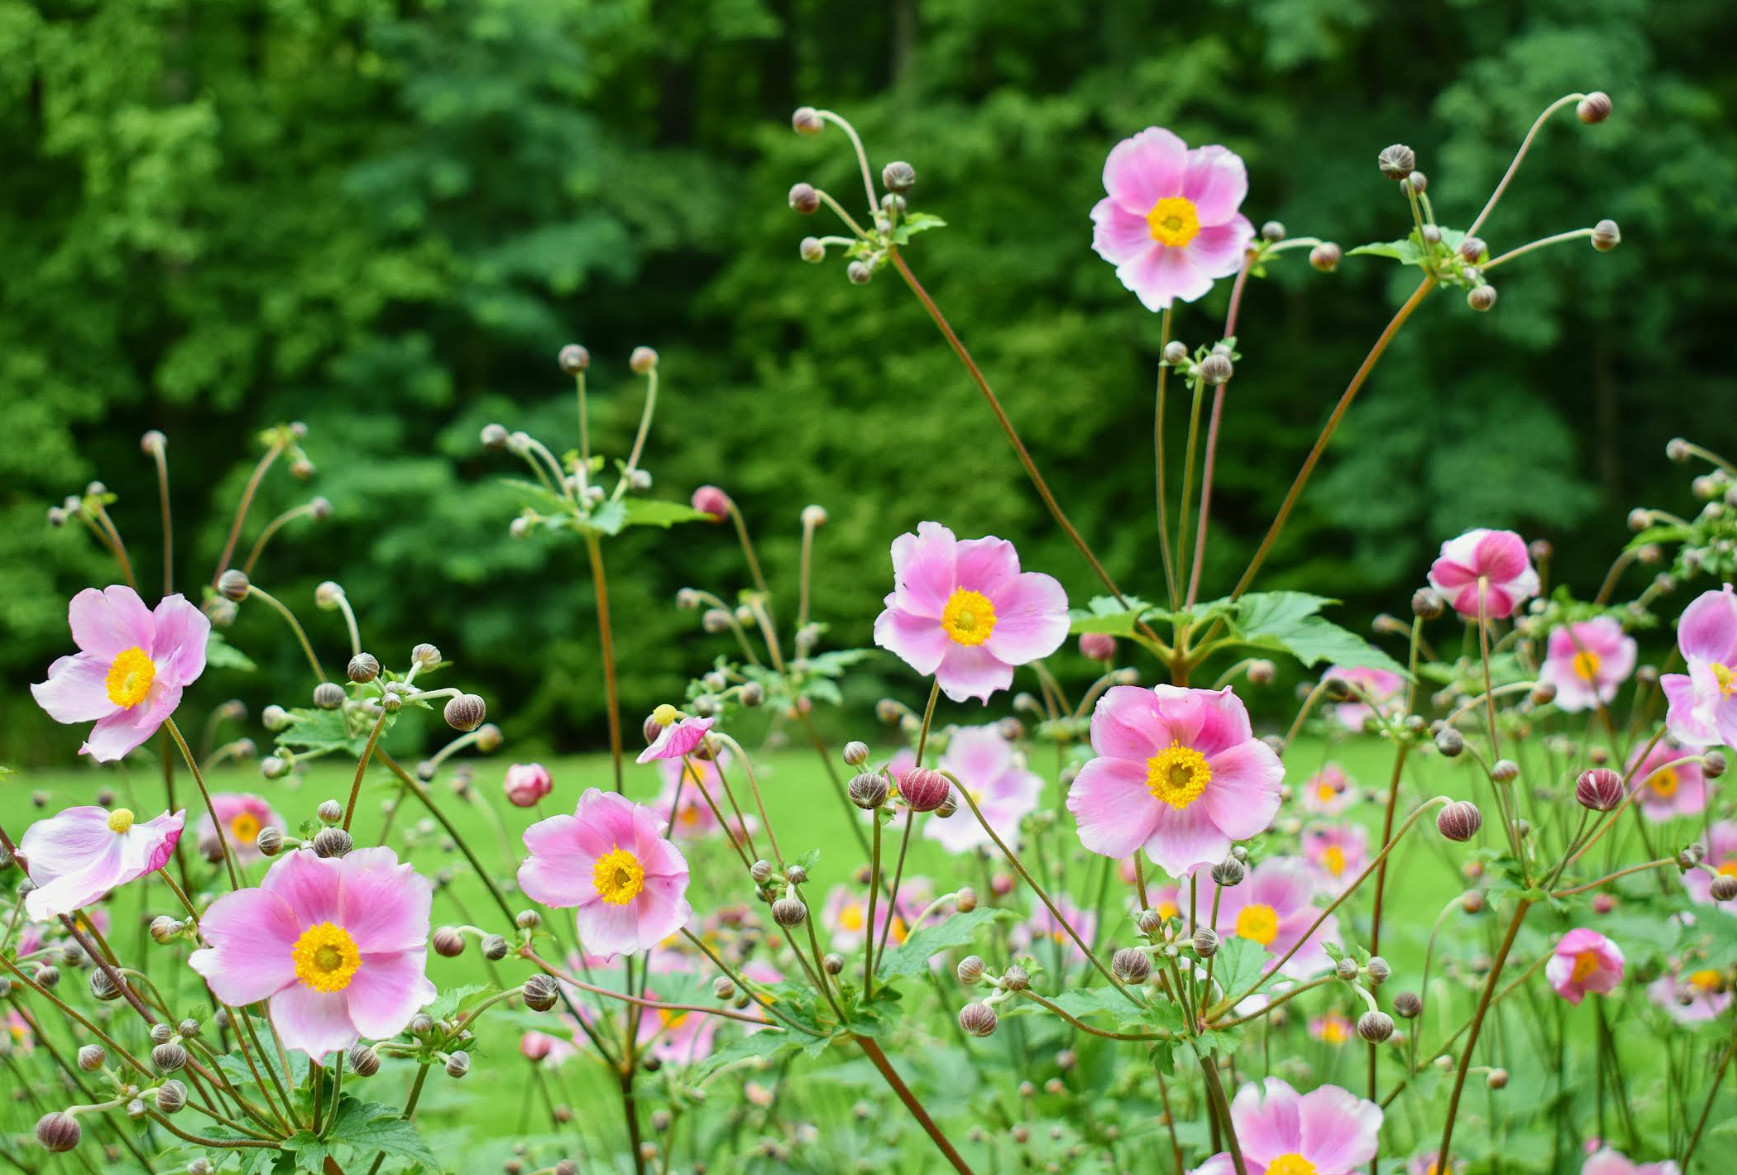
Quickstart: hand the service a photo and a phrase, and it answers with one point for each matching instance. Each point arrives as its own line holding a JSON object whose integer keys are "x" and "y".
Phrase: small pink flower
{"x": 1327, "y": 1131}
{"x": 1667, "y": 792}
{"x": 1331, "y": 1027}
{"x": 1721, "y": 858}
{"x": 1043, "y": 933}
{"x": 538, "y": 1047}
{"x": 1170, "y": 223}
{"x": 338, "y": 946}
{"x": 1179, "y": 772}
{"x": 678, "y": 737}
{"x": 15, "y": 1034}
{"x": 610, "y": 861}
{"x": 1584, "y": 960}
{"x": 712, "y": 500}
{"x": 846, "y": 913}
{"x": 1691, "y": 997}
{"x": 1587, "y": 661}
{"x": 964, "y": 613}
{"x": 1328, "y": 792}
{"x": 995, "y": 774}
{"x": 244, "y": 816}
{"x": 1378, "y": 686}
{"x": 1337, "y": 854}
{"x": 1429, "y": 1163}
{"x": 526, "y": 783}
{"x": 1610, "y": 1162}
{"x": 682, "y": 801}
{"x": 79, "y": 855}
{"x": 1491, "y": 563}
{"x": 1703, "y": 710}
{"x": 677, "y": 1037}
{"x": 1273, "y": 907}
{"x": 130, "y": 669}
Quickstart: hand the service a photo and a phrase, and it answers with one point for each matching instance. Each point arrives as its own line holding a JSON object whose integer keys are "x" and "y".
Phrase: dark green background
{"x": 384, "y": 219}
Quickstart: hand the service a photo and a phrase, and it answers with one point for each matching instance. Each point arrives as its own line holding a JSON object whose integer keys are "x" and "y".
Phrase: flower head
{"x": 1609, "y": 1162}
{"x": 526, "y": 783}
{"x": 1178, "y": 771}
{"x": 243, "y": 816}
{"x": 338, "y": 946}
{"x": 846, "y": 913}
{"x": 1327, "y": 1131}
{"x": 996, "y": 776}
{"x": 130, "y": 669}
{"x": 1328, "y": 792}
{"x": 963, "y": 611}
{"x": 678, "y": 736}
{"x": 1044, "y": 933}
{"x": 682, "y": 800}
{"x": 612, "y": 863}
{"x": 1336, "y": 853}
{"x": 15, "y": 1034}
{"x": 1703, "y": 701}
{"x": 1332, "y": 1027}
{"x": 1668, "y": 786}
{"x": 1491, "y": 564}
{"x": 1690, "y": 997}
{"x": 81, "y": 854}
{"x": 1582, "y": 961}
{"x": 674, "y": 1036}
{"x": 1376, "y": 690}
{"x": 1170, "y": 223}
{"x": 1273, "y": 907}
{"x": 1587, "y": 661}
{"x": 1721, "y": 858}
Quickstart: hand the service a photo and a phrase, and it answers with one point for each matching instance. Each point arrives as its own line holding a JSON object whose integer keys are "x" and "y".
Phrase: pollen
{"x": 1585, "y": 963}
{"x": 1727, "y": 680}
{"x": 968, "y": 617}
{"x": 245, "y": 829}
{"x": 1177, "y": 775}
{"x": 130, "y": 677}
{"x": 1665, "y": 782}
{"x": 1174, "y": 221}
{"x": 120, "y": 819}
{"x": 1258, "y": 923}
{"x": 1290, "y": 1164}
{"x": 1707, "y": 980}
{"x": 618, "y": 876}
{"x": 1333, "y": 857}
{"x": 326, "y": 958}
{"x": 1586, "y": 665}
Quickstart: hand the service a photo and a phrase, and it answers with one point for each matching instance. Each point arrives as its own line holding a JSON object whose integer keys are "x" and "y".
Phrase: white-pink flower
{"x": 1329, "y": 791}
{"x": 1375, "y": 692}
{"x": 130, "y": 669}
{"x": 1586, "y": 661}
{"x": 995, "y": 775}
{"x": 676, "y": 737}
{"x": 1327, "y": 1131}
{"x": 1493, "y": 565}
{"x": 1170, "y": 223}
{"x": 337, "y": 946}
{"x": 1178, "y": 772}
{"x": 1721, "y": 858}
{"x": 846, "y": 913}
{"x": 1610, "y": 1162}
{"x": 1274, "y": 908}
{"x": 1703, "y": 702}
{"x": 1582, "y": 961}
{"x": 964, "y": 613}
{"x": 611, "y": 863}
{"x": 682, "y": 800}
{"x": 527, "y": 783}
{"x": 1670, "y": 784}
{"x": 1043, "y": 933}
{"x": 1336, "y": 853}
{"x": 79, "y": 855}
{"x": 1691, "y": 997}
{"x": 244, "y": 816}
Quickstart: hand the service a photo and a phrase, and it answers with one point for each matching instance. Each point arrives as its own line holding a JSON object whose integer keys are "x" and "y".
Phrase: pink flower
{"x": 1583, "y": 961}
{"x": 130, "y": 669}
{"x": 1170, "y": 223}
{"x": 15, "y": 1034}
{"x": 679, "y": 736}
{"x": 1666, "y": 791}
{"x": 1337, "y": 854}
{"x": 611, "y": 861}
{"x": 244, "y": 816}
{"x": 964, "y": 612}
{"x": 526, "y": 783}
{"x": 846, "y": 913}
{"x": 1493, "y": 562}
{"x": 1721, "y": 858}
{"x": 337, "y": 945}
{"x": 995, "y": 775}
{"x": 1693, "y": 997}
{"x": 677, "y": 1037}
{"x": 81, "y": 854}
{"x": 1332, "y": 1027}
{"x": 1609, "y": 1162}
{"x": 1273, "y": 907}
{"x": 1378, "y": 686}
{"x": 1043, "y": 927}
{"x": 712, "y": 500}
{"x": 1178, "y": 771}
{"x": 537, "y": 1047}
{"x": 682, "y": 801}
{"x": 1586, "y": 662}
{"x": 1702, "y": 711}
{"x": 1429, "y": 1163}
{"x": 1329, "y": 791}
{"x": 1327, "y": 1131}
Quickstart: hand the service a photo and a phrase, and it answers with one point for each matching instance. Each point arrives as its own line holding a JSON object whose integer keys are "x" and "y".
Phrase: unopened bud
{"x": 91, "y": 1057}
{"x": 1375, "y": 1027}
{"x": 965, "y": 900}
{"x": 977, "y": 1018}
{"x": 328, "y": 695}
{"x": 171, "y": 1097}
{"x": 1015, "y": 978}
{"x": 1378, "y": 970}
{"x": 269, "y": 842}
{"x": 332, "y": 842}
{"x": 1397, "y": 162}
{"x": 899, "y": 176}
{"x": 572, "y": 359}
{"x": 448, "y": 942}
{"x": 1206, "y": 942}
{"x": 1459, "y": 820}
{"x": 856, "y": 753}
{"x": 57, "y": 1132}
{"x": 806, "y": 121}
{"x": 541, "y": 993}
{"x": 924, "y": 790}
{"x": 1724, "y": 888}
{"x": 642, "y": 361}
{"x": 494, "y": 948}
{"x": 363, "y": 668}
{"x": 232, "y": 585}
{"x": 1408, "y": 1004}
{"x": 1229, "y": 872}
{"x": 1594, "y": 108}
{"x": 465, "y": 712}
{"x": 1600, "y": 789}
{"x": 1450, "y": 742}
{"x": 1131, "y": 965}
{"x": 169, "y": 1057}
{"x": 458, "y": 1064}
{"x": 969, "y": 970}
{"x": 1326, "y": 256}
{"x": 364, "y": 1061}
{"x": 1498, "y": 1079}
{"x": 1606, "y": 236}
{"x": 804, "y": 199}
{"x": 1216, "y": 369}
{"x": 789, "y": 912}
{"x": 1481, "y": 298}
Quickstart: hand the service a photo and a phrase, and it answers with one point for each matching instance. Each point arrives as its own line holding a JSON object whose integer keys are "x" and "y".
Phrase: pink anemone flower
{"x": 995, "y": 775}
{"x": 1327, "y": 1131}
{"x": 1721, "y": 858}
{"x": 1490, "y": 563}
{"x": 540, "y": 1048}
{"x": 1337, "y": 854}
{"x": 678, "y": 737}
{"x": 1273, "y": 907}
{"x": 1609, "y": 1162}
{"x": 1586, "y": 661}
{"x": 526, "y": 783}
{"x": 244, "y": 816}
{"x": 964, "y": 613}
{"x": 1328, "y": 792}
{"x": 846, "y": 913}
{"x": 1691, "y": 997}
{"x": 1376, "y": 689}
{"x": 15, "y": 1035}
{"x": 1170, "y": 223}
{"x": 1582, "y": 961}
{"x": 1043, "y": 933}
{"x": 130, "y": 669}
{"x": 675, "y": 1036}
{"x": 79, "y": 855}
{"x": 1331, "y": 1027}
{"x": 682, "y": 800}
{"x": 338, "y": 946}
{"x": 612, "y": 863}
{"x": 1179, "y": 772}
{"x": 1668, "y": 787}
{"x": 1702, "y": 710}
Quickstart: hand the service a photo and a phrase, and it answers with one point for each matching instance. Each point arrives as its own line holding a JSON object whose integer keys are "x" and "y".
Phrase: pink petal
{"x": 1031, "y": 618}
{"x": 1243, "y": 796}
{"x": 1126, "y": 725}
{"x": 1267, "y": 1119}
{"x": 1115, "y": 811}
{"x": 1608, "y": 1162}
{"x": 1118, "y": 236}
{"x": 1223, "y": 720}
{"x": 252, "y": 934}
{"x": 119, "y": 734}
{"x": 1339, "y": 1128}
{"x": 985, "y": 565}
{"x": 179, "y": 647}
{"x": 309, "y": 885}
{"x": 1216, "y": 181}
{"x": 1185, "y": 838}
{"x": 1161, "y": 275}
{"x": 76, "y": 689}
{"x": 923, "y": 570}
{"x": 1282, "y": 883}
{"x": 919, "y": 641}
{"x": 972, "y": 671}
{"x": 607, "y": 929}
{"x": 555, "y": 874}
{"x": 387, "y": 991}
{"x": 1218, "y": 250}
{"x": 1144, "y": 169}
{"x": 384, "y": 905}
{"x": 1707, "y": 630}
{"x": 315, "y": 1022}
{"x": 107, "y": 623}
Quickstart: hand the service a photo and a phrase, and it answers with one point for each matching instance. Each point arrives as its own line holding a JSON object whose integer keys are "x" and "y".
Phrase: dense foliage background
{"x": 383, "y": 218}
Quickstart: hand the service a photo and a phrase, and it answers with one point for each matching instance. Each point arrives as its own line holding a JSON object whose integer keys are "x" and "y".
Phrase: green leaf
{"x": 1287, "y": 622}
{"x": 914, "y": 223}
{"x": 369, "y": 1127}
{"x": 323, "y": 731}
{"x": 650, "y": 512}
{"x": 1106, "y": 614}
{"x": 309, "y": 1149}
{"x": 220, "y": 654}
{"x": 1239, "y": 963}
{"x": 912, "y": 956}
{"x": 608, "y": 518}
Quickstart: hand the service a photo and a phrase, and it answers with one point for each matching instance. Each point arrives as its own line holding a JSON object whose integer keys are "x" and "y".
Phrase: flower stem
{"x": 216, "y": 820}
{"x": 903, "y": 1092}
{"x": 362, "y": 765}
{"x": 606, "y": 636}
{"x": 1447, "y": 1136}
{"x": 241, "y": 508}
{"x": 1236, "y": 289}
{"x": 1158, "y": 412}
{"x": 1221, "y": 1106}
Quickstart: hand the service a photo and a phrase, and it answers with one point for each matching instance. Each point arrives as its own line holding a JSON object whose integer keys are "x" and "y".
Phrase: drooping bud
{"x": 1326, "y": 256}
{"x": 899, "y": 176}
{"x": 1481, "y": 298}
{"x": 789, "y": 912}
{"x": 1594, "y": 108}
{"x": 364, "y": 1061}
{"x": 57, "y": 1132}
{"x": 643, "y": 361}
{"x": 977, "y": 1018}
{"x": 363, "y": 668}
{"x": 448, "y": 942}
{"x": 458, "y": 1064}
{"x": 1397, "y": 162}
{"x": 169, "y": 1057}
{"x": 924, "y": 790}
{"x": 966, "y": 900}
{"x": 807, "y": 121}
{"x": 1459, "y": 821}
{"x": 1600, "y": 789}
{"x": 541, "y": 993}
{"x": 970, "y": 970}
{"x": 171, "y": 1097}
{"x": 232, "y": 585}
{"x": 1131, "y": 965}
{"x": 465, "y": 712}
{"x": 1375, "y": 1027}
{"x": 1206, "y": 942}
{"x": 328, "y": 695}
{"x": 1606, "y": 236}
{"x": 804, "y": 199}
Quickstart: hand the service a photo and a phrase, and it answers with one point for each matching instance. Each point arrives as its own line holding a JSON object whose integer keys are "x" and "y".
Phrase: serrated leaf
{"x": 914, "y": 223}
{"x": 220, "y": 654}
{"x": 322, "y": 732}
{"x": 913, "y": 955}
{"x": 309, "y": 1149}
{"x": 1287, "y": 622}
{"x": 1240, "y": 961}
{"x": 653, "y": 512}
{"x": 370, "y": 1127}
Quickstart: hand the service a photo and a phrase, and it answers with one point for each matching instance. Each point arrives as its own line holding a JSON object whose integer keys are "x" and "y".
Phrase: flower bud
{"x": 1175, "y": 352}
{"x": 1481, "y": 298}
{"x": 1150, "y": 922}
{"x": 723, "y": 988}
{"x": 977, "y": 1018}
{"x": 789, "y": 912}
{"x": 92, "y": 1057}
{"x": 1397, "y": 162}
{"x": 269, "y": 842}
{"x": 1713, "y": 764}
{"x": 494, "y": 948}
{"x": 1378, "y": 970}
{"x": 1098, "y": 646}
{"x": 1015, "y": 978}
{"x": 1691, "y": 856}
{"x": 1131, "y": 965}
{"x": 527, "y": 920}
{"x": 328, "y": 695}
{"x": 1450, "y": 742}
{"x": 760, "y": 871}
{"x": 330, "y": 812}
{"x": 1600, "y": 789}
{"x": 425, "y": 655}
{"x": 171, "y": 1097}
{"x": 1498, "y": 1079}
{"x": 169, "y": 1057}
{"x": 1594, "y": 108}
{"x": 1272, "y": 231}
{"x": 860, "y": 273}
{"x": 643, "y": 361}
{"x": 714, "y": 501}
{"x": 1724, "y": 888}
{"x": 1504, "y": 771}
{"x": 572, "y": 359}
{"x": 1606, "y": 236}
{"x": 899, "y": 176}
{"x": 541, "y": 993}
{"x": 232, "y": 585}
{"x": 1346, "y": 969}
{"x": 1408, "y": 1004}
{"x": 965, "y": 900}
{"x": 57, "y": 1132}
{"x": 1459, "y": 821}
{"x": 1471, "y": 249}
{"x": 1216, "y": 369}
{"x": 832, "y": 963}
{"x": 970, "y": 970}
{"x": 363, "y": 668}
{"x": 804, "y": 199}
{"x": 806, "y": 121}
{"x": 465, "y": 712}
{"x": 448, "y": 942}
{"x": 1229, "y": 872}
{"x": 458, "y": 1064}
{"x": 868, "y": 790}
{"x": 164, "y": 929}
{"x": 1375, "y": 1027}
{"x": 796, "y": 875}
{"x": 364, "y": 1061}
{"x": 1325, "y": 257}
{"x": 924, "y": 790}
{"x": 856, "y": 753}
{"x": 1206, "y": 942}
{"x": 332, "y": 842}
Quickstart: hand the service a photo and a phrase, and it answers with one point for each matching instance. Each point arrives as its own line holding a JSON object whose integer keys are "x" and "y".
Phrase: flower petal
{"x": 1216, "y": 180}
{"x": 1243, "y": 796}
{"x": 387, "y": 991}
{"x": 1339, "y": 1129}
{"x": 1184, "y": 838}
{"x": 76, "y": 689}
{"x": 1126, "y": 725}
{"x": 179, "y": 644}
{"x": 252, "y": 935}
{"x": 1115, "y": 812}
{"x": 972, "y": 671}
{"x": 107, "y": 623}
{"x": 919, "y": 641}
{"x": 308, "y": 884}
{"x": 1031, "y": 618}
{"x": 1266, "y": 1115}
{"x": 1118, "y": 236}
{"x": 316, "y": 1022}
{"x": 1145, "y": 168}
{"x": 923, "y": 570}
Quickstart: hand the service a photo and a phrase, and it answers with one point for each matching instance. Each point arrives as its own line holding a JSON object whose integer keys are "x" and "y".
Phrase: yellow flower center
{"x": 618, "y": 876}
{"x": 1258, "y": 923}
{"x": 1729, "y": 867}
{"x": 19, "y": 1032}
{"x": 1290, "y": 1164}
{"x": 1665, "y": 782}
{"x": 851, "y": 918}
{"x": 245, "y": 829}
{"x": 1177, "y": 775}
{"x": 1168, "y": 910}
{"x": 1586, "y": 665}
{"x": 1326, "y": 792}
{"x": 1333, "y": 857}
{"x": 1707, "y": 980}
{"x": 665, "y": 714}
{"x": 1335, "y": 1029}
{"x": 1725, "y": 677}
{"x": 968, "y": 617}
{"x": 1585, "y": 963}
{"x": 688, "y": 816}
{"x": 120, "y": 819}
{"x": 1174, "y": 221}
{"x": 130, "y": 677}
{"x": 326, "y": 958}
